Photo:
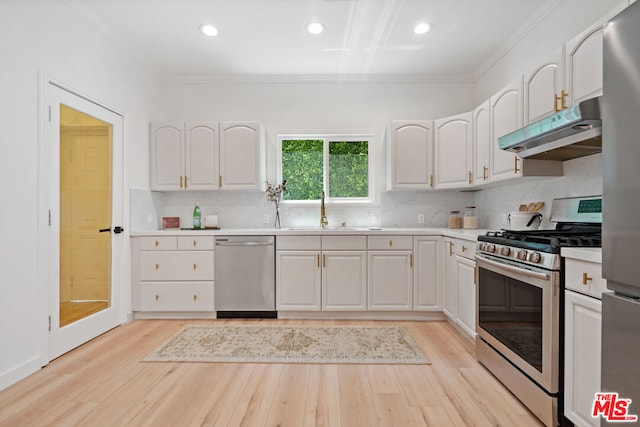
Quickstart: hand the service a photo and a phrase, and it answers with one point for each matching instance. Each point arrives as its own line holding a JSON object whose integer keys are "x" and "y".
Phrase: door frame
{"x": 45, "y": 217}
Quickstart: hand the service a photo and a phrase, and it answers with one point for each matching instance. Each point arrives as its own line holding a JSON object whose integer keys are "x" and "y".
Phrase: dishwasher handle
{"x": 247, "y": 243}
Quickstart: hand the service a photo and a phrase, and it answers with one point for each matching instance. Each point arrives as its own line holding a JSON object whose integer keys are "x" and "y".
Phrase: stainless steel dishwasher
{"x": 245, "y": 276}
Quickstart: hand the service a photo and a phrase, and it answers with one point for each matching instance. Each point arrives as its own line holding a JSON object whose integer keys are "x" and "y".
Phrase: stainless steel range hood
{"x": 567, "y": 134}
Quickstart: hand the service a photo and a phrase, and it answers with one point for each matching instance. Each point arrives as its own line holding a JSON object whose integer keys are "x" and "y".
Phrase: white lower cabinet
{"x": 173, "y": 274}
{"x": 344, "y": 280}
{"x": 390, "y": 260}
{"x": 459, "y": 284}
{"x": 176, "y": 296}
{"x": 583, "y": 338}
{"x": 466, "y": 295}
{"x": 583, "y": 315}
{"x": 427, "y": 273}
{"x": 298, "y": 273}
{"x": 450, "y": 305}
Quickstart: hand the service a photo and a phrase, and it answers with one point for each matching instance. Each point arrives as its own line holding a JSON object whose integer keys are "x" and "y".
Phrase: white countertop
{"x": 583, "y": 254}
{"x": 465, "y": 234}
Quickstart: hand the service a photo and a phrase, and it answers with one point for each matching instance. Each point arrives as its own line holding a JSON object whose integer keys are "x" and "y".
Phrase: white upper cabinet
{"x": 543, "y": 88}
{"x": 453, "y": 155}
{"x": 584, "y": 65}
{"x": 410, "y": 155}
{"x": 166, "y": 151}
{"x": 506, "y": 117}
{"x": 201, "y": 156}
{"x": 481, "y": 142}
{"x": 241, "y": 156}
{"x": 184, "y": 156}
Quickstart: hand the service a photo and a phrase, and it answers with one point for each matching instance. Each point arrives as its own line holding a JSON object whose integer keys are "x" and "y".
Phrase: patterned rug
{"x": 290, "y": 344}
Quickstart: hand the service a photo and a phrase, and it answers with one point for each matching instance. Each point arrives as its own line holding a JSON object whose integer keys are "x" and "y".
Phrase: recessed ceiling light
{"x": 209, "y": 30}
{"x": 422, "y": 28}
{"x": 315, "y": 27}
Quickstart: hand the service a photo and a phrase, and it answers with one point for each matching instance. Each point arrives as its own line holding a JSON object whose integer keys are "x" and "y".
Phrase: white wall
{"x": 51, "y": 37}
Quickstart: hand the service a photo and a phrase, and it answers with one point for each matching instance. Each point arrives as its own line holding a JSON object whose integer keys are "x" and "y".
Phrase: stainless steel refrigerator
{"x": 621, "y": 208}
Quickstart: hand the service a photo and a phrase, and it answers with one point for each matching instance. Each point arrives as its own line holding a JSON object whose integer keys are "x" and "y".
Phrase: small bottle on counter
{"x": 470, "y": 219}
{"x": 197, "y": 224}
{"x": 455, "y": 219}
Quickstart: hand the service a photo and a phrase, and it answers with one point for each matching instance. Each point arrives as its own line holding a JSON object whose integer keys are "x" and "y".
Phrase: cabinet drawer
{"x": 165, "y": 243}
{"x": 196, "y": 243}
{"x": 390, "y": 243}
{"x": 174, "y": 265}
{"x": 465, "y": 248}
{"x": 302, "y": 243}
{"x": 349, "y": 243}
{"x": 176, "y": 296}
{"x": 585, "y": 277}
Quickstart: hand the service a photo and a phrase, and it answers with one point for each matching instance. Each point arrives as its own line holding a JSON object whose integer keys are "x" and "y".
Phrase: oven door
{"x": 518, "y": 315}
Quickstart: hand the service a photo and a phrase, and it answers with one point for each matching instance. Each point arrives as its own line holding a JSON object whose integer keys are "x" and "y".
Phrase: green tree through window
{"x": 306, "y": 161}
{"x": 302, "y": 166}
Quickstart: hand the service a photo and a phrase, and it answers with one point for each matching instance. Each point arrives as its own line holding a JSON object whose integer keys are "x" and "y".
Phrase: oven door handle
{"x": 514, "y": 269}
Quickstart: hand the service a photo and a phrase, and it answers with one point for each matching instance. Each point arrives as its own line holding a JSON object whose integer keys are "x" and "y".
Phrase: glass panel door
{"x": 85, "y": 209}
{"x": 84, "y": 162}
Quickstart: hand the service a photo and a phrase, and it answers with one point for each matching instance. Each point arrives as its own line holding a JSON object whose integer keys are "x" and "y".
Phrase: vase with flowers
{"x": 274, "y": 194}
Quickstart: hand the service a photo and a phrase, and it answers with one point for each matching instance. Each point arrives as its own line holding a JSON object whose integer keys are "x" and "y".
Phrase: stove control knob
{"x": 491, "y": 248}
{"x": 522, "y": 255}
{"x": 535, "y": 257}
{"x": 482, "y": 246}
{"x": 505, "y": 251}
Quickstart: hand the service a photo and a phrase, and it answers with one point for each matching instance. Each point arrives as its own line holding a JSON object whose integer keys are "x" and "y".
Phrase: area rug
{"x": 290, "y": 344}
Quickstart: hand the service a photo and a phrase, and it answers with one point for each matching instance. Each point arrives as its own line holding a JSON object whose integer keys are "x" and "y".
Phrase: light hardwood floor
{"x": 104, "y": 383}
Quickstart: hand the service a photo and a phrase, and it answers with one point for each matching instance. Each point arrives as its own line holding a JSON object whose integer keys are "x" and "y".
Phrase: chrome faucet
{"x": 323, "y": 215}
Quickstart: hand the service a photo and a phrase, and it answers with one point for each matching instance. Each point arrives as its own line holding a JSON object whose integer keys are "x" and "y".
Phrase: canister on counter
{"x": 455, "y": 219}
{"x": 470, "y": 218}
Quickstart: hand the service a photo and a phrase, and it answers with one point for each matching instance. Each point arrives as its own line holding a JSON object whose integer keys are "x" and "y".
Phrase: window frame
{"x": 371, "y": 137}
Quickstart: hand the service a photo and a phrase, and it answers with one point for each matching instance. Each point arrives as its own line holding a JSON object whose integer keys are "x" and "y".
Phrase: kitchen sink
{"x": 330, "y": 229}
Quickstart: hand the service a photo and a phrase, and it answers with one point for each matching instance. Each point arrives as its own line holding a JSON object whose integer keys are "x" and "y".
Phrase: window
{"x": 339, "y": 165}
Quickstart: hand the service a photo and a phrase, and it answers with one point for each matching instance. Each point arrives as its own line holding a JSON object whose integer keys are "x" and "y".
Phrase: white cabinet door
{"x": 584, "y": 63}
{"x": 506, "y": 117}
{"x": 344, "y": 280}
{"x": 241, "y": 156}
{"x": 450, "y": 306}
{"x": 411, "y": 154}
{"x": 298, "y": 280}
{"x": 481, "y": 142}
{"x": 166, "y": 153}
{"x": 466, "y": 295}
{"x": 541, "y": 86}
{"x": 453, "y": 154}
{"x": 201, "y": 156}
{"x": 427, "y": 293}
{"x": 583, "y": 339}
{"x": 390, "y": 280}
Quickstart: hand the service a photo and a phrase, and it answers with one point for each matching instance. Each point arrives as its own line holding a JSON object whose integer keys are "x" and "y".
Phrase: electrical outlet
{"x": 373, "y": 218}
{"x": 265, "y": 219}
{"x": 149, "y": 218}
{"x": 420, "y": 218}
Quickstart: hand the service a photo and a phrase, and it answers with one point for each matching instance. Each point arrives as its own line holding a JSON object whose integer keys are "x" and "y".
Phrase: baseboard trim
{"x": 20, "y": 372}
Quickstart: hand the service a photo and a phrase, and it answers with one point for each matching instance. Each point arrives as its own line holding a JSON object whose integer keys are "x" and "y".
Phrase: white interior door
{"x": 84, "y": 160}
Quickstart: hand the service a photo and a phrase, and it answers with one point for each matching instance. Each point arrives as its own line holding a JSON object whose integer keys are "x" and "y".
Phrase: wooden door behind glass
{"x": 85, "y": 209}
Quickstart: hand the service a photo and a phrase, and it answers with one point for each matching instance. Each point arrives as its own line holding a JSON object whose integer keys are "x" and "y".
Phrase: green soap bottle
{"x": 197, "y": 224}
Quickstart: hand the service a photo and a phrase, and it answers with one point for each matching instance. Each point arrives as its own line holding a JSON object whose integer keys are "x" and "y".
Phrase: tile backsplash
{"x": 582, "y": 177}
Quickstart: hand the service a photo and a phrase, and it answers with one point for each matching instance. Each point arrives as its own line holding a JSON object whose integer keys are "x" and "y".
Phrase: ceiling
{"x": 363, "y": 39}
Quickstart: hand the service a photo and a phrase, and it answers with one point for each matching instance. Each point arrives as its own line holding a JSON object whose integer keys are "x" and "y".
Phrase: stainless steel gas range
{"x": 520, "y": 300}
